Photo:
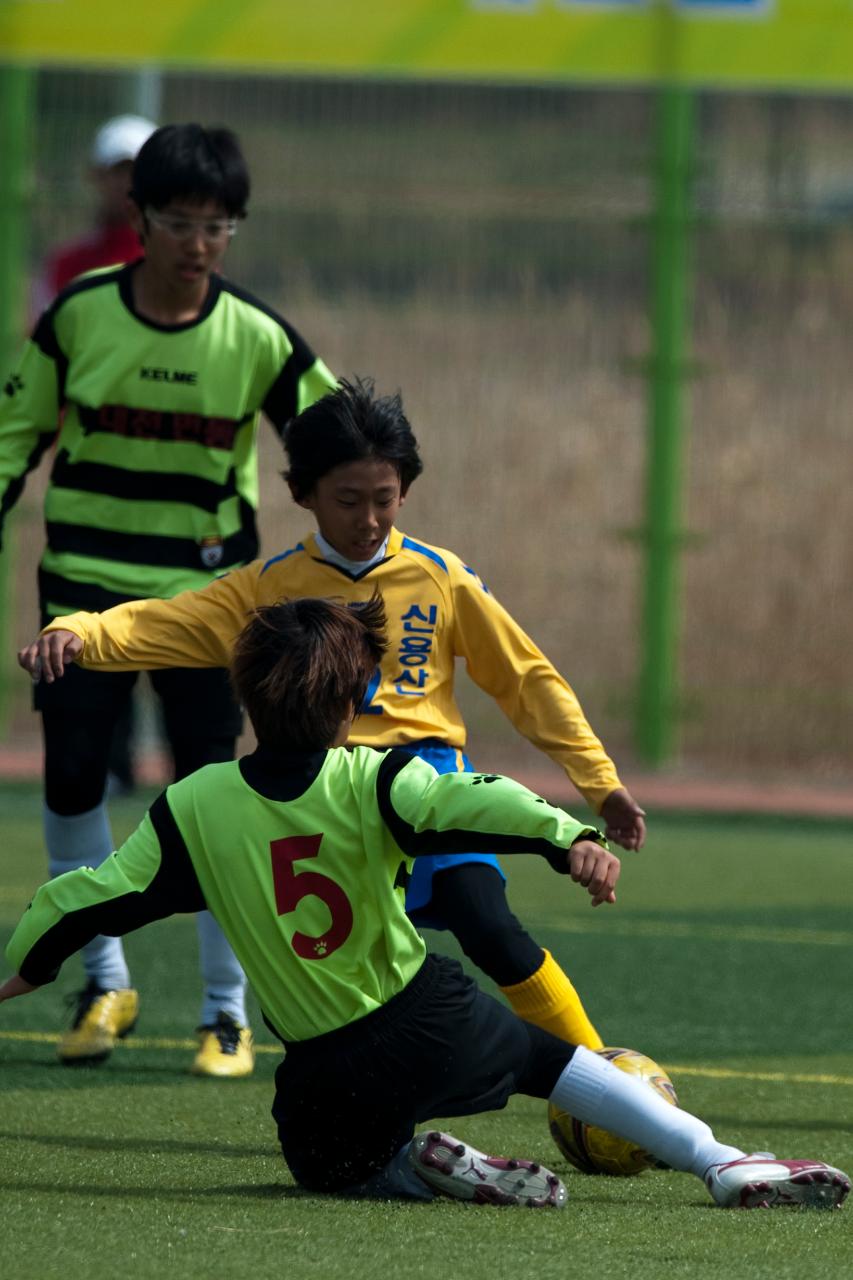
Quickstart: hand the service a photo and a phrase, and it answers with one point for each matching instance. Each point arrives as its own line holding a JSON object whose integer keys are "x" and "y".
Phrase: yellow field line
{"x": 132, "y": 1042}
{"x": 711, "y": 1073}
{"x": 775, "y": 1077}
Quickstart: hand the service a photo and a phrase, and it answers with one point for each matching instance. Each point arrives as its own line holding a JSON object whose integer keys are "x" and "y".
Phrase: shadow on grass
{"x": 97, "y": 1190}
{"x": 38, "y": 1074}
{"x": 150, "y": 1146}
{"x": 280, "y": 1192}
{"x": 720, "y": 1124}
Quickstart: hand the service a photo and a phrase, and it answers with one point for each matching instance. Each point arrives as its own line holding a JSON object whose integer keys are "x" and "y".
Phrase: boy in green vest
{"x": 302, "y": 851}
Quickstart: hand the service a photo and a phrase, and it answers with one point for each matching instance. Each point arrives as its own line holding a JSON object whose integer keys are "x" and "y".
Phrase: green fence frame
{"x": 16, "y": 111}
{"x": 658, "y": 690}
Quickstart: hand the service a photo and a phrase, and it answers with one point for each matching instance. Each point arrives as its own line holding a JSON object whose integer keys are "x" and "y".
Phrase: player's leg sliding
{"x": 226, "y": 1048}
{"x": 593, "y": 1090}
{"x": 548, "y": 1000}
{"x": 455, "y": 1169}
{"x": 107, "y": 1007}
{"x": 471, "y": 901}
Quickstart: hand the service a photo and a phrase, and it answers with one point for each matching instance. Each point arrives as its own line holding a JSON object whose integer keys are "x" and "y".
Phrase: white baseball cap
{"x": 120, "y": 139}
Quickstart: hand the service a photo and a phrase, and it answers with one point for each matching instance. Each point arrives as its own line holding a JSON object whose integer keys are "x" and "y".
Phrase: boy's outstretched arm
{"x": 193, "y": 629}
{"x": 624, "y": 819}
{"x": 47, "y": 656}
{"x": 503, "y": 660}
{"x": 430, "y": 813}
{"x": 148, "y": 878}
{"x": 596, "y": 869}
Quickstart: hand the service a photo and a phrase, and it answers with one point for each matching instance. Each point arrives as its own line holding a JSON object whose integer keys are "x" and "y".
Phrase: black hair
{"x": 347, "y": 425}
{"x": 191, "y": 162}
{"x": 300, "y": 665}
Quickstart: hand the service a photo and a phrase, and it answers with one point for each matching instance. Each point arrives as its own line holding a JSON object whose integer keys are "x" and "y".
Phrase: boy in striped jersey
{"x": 352, "y": 459}
{"x": 158, "y": 372}
{"x": 302, "y": 852}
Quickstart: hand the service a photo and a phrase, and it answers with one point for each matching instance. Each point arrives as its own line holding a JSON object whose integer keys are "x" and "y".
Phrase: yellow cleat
{"x": 102, "y": 1018}
{"x": 225, "y": 1050}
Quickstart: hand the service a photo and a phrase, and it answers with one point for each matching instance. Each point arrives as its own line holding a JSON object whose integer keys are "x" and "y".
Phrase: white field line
{"x": 711, "y": 1073}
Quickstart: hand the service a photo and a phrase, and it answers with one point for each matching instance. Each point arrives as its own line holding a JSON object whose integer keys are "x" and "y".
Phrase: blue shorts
{"x": 444, "y": 759}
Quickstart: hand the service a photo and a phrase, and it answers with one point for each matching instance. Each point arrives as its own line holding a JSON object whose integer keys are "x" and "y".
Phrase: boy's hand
{"x": 596, "y": 869}
{"x": 15, "y": 986}
{"x": 46, "y": 657}
{"x": 624, "y": 820}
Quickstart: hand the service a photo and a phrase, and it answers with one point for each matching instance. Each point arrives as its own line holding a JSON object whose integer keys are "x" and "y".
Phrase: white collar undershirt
{"x": 354, "y": 567}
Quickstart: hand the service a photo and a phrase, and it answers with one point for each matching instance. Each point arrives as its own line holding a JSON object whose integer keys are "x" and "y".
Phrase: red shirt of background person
{"x": 112, "y": 240}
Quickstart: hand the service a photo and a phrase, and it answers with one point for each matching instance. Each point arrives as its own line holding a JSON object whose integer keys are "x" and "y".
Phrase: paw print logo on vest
{"x": 15, "y": 384}
{"x": 320, "y": 947}
{"x": 485, "y": 777}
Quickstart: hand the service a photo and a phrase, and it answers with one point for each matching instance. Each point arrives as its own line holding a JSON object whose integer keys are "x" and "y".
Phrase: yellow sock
{"x": 549, "y": 1000}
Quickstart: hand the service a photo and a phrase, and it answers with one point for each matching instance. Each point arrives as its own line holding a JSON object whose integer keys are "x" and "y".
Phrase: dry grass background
{"x": 485, "y": 250}
{"x": 533, "y": 439}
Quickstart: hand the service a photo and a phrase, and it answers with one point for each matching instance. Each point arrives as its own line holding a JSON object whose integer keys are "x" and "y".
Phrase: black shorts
{"x": 80, "y": 711}
{"x": 347, "y": 1101}
{"x": 202, "y": 693}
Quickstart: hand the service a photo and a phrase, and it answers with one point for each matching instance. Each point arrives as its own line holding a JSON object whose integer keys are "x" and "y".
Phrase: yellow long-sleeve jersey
{"x": 437, "y": 608}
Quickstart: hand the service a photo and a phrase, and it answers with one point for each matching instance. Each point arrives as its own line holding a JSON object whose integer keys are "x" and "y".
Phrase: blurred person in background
{"x": 112, "y": 238}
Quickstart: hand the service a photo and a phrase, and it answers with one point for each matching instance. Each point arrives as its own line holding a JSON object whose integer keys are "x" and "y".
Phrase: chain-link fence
{"x": 486, "y": 250}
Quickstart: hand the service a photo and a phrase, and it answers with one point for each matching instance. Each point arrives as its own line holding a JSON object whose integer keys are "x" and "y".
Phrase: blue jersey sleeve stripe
{"x": 411, "y": 545}
{"x": 474, "y": 574}
{"x": 275, "y": 559}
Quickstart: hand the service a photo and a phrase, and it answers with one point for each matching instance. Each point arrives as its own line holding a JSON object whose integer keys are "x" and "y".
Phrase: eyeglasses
{"x": 213, "y": 231}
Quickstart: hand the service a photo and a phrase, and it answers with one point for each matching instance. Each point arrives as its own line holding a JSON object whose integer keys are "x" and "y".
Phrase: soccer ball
{"x": 593, "y": 1150}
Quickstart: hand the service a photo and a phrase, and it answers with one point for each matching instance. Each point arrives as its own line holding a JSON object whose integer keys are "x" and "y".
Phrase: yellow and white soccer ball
{"x": 593, "y": 1150}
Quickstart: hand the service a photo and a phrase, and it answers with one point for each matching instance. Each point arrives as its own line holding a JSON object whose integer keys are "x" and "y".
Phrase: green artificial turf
{"x": 727, "y": 958}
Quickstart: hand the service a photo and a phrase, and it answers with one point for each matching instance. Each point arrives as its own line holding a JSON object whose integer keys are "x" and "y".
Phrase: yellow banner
{"x": 799, "y": 44}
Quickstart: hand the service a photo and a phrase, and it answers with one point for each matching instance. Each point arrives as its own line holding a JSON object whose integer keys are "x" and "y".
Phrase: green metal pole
{"x": 16, "y": 99}
{"x": 16, "y": 94}
{"x": 658, "y": 692}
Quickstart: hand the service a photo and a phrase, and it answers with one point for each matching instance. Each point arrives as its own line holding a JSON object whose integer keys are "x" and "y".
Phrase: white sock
{"x": 224, "y": 980}
{"x": 85, "y": 840}
{"x": 593, "y": 1090}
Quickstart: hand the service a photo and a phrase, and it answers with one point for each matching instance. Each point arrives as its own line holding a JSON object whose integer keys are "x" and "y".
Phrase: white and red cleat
{"x": 761, "y": 1182}
{"x": 457, "y": 1170}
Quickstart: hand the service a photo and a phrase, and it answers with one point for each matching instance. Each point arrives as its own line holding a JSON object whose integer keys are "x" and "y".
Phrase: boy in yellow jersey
{"x": 302, "y": 852}
{"x": 352, "y": 458}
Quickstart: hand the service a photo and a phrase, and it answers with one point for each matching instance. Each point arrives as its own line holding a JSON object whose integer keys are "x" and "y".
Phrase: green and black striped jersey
{"x": 303, "y": 860}
{"x": 154, "y": 484}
